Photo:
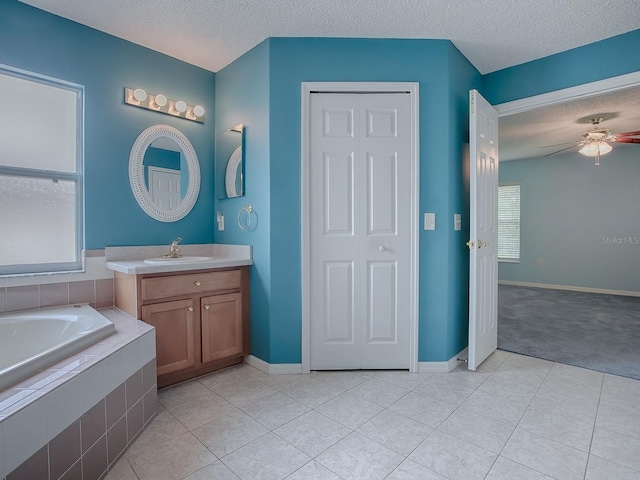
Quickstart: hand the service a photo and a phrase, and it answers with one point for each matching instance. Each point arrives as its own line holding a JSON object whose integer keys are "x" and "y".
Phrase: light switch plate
{"x": 457, "y": 221}
{"x": 429, "y": 221}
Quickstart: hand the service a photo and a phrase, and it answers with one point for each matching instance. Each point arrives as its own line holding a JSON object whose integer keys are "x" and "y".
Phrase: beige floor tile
{"x": 163, "y": 427}
{"x": 312, "y": 433}
{"x": 543, "y": 455}
{"x": 443, "y": 392}
{"x": 174, "y": 459}
{"x": 410, "y": 470}
{"x": 275, "y": 410}
{"x": 570, "y": 407}
{"x": 121, "y": 471}
{"x": 561, "y": 429}
{"x": 198, "y": 410}
{"x": 312, "y": 392}
{"x": 617, "y": 448}
{"x": 478, "y": 430}
{"x": 403, "y": 379}
{"x": 620, "y": 421}
{"x": 422, "y": 409}
{"x": 230, "y": 432}
{"x": 377, "y": 391}
{"x": 453, "y": 458}
{"x": 357, "y": 458}
{"x": 395, "y": 431}
{"x": 267, "y": 458}
{"x": 495, "y": 407}
{"x": 349, "y": 410}
{"x": 245, "y": 392}
{"x": 342, "y": 380}
{"x": 599, "y": 469}
{"x": 505, "y": 469}
{"x": 313, "y": 471}
{"x": 215, "y": 471}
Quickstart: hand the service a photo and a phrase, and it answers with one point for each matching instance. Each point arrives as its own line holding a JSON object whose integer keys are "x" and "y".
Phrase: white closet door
{"x": 360, "y": 204}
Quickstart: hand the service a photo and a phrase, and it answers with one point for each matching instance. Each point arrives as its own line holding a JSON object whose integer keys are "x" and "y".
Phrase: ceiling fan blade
{"x": 628, "y": 134}
{"x": 627, "y": 140}
{"x": 557, "y": 145}
{"x": 549, "y": 154}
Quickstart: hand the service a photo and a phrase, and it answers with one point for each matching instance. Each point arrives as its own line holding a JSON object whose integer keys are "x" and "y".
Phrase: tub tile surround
{"x": 130, "y": 260}
{"x": 76, "y": 418}
{"x": 93, "y": 286}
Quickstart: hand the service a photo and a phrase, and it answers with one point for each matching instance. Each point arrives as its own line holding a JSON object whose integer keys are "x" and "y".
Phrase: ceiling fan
{"x": 595, "y": 142}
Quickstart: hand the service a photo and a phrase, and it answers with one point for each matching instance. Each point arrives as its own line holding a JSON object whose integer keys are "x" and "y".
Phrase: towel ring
{"x": 245, "y": 217}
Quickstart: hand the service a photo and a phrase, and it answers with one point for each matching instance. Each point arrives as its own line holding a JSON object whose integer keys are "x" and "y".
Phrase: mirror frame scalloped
{"x": 136, "y": 173}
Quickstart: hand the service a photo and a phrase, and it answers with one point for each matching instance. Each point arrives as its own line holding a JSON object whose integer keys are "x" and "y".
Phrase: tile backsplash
{"x": 93, "y": 286}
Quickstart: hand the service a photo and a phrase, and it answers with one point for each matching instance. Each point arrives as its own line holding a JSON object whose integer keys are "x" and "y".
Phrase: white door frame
{"x": 585, "y": 90}
{"x": 359, "y": 87}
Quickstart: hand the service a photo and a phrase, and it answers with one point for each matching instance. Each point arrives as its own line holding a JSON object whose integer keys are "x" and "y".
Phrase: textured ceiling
{"x": 491, "y": 34}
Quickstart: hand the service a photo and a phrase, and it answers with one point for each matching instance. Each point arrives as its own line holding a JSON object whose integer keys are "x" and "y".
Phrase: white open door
{"x": 483, "y": 243}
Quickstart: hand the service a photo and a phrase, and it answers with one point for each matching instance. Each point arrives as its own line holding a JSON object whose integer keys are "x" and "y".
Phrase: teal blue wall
{"x": 463, "y": 77}
{"x": 37, "y": 41}
{"x": 242, "y": 96}
{"x": 604, "y": 59}
{"x": 445, "y": 77}
{"x": 572, "y": 212}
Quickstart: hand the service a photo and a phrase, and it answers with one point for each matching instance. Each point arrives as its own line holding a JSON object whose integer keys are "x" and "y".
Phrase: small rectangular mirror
{"x": 229, "y": 174}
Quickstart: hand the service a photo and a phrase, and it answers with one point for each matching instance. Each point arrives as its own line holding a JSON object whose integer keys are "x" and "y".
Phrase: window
{"x": 40, "y": 173}
{"x": 509, "y": 223}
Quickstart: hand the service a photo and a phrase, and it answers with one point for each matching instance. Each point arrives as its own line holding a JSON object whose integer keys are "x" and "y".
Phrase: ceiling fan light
{"x": 593, "y": 149}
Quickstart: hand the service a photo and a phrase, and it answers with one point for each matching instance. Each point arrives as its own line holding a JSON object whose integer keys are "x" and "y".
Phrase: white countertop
{"x": 130, "y": 260}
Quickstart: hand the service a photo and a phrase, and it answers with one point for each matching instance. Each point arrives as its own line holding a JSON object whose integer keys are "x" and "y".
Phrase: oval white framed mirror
{"x": 163, "y": 137}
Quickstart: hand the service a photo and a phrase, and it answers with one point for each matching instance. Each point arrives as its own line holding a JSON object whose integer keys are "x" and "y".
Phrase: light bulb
{"x": 180, "y": 106}
{"x": 198, "y": 111}
{"x": 140, "y": 95}
{"x": 592, "y": 149}
{"x": 160, "y": 100}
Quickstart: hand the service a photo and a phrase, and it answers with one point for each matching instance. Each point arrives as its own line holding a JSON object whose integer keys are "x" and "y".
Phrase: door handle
{"x": 471, "y": 244}
{"x": 382, "y": 248}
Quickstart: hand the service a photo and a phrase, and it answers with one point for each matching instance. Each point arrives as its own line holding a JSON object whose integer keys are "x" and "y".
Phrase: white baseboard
{"x": 274, "y": 369}
{"x": 442, "y": 367}
{"x": 571, "y": 288}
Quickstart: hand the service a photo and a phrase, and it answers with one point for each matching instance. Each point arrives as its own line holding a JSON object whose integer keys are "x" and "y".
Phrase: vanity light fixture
{"x": 160, "y": 103}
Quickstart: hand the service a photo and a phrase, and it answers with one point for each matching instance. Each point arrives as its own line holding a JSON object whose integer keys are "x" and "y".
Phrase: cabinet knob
{"x": 190, "y": 309}
{"x": 206, "y": 307}
{"x": 198, "y": 283}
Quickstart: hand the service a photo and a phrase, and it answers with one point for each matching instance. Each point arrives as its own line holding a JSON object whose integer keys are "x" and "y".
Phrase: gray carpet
{"x": 590, "y": 330}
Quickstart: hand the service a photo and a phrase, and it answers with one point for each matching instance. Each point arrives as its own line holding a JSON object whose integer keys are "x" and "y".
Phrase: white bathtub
{"x": 32, "y": 340}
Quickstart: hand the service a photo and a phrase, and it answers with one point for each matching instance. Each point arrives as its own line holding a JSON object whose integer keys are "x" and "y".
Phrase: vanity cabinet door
{"x": 221, "y": 317}
{"x": 175, "y": 334}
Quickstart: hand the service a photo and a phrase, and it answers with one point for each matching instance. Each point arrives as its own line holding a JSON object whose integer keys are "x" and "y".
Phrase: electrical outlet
{"x": 540, "y": 263}
{"x": 220, "y": 220}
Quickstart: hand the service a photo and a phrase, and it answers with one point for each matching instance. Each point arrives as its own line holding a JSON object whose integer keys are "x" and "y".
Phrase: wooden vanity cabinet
{"x": 201, "y": 318}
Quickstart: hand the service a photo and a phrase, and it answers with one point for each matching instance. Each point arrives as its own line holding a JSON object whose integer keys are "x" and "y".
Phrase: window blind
{"x": 509, "y": 222}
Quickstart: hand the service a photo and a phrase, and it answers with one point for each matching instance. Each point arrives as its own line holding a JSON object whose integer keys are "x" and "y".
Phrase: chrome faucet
{"x": 174, "y": 250}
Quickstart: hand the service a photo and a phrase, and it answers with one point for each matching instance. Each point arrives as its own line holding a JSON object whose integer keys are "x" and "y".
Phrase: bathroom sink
{"x": 171, "y": 261}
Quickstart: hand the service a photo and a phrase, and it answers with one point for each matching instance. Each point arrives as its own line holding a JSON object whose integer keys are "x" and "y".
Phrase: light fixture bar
{"x": 137, "y": 97}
